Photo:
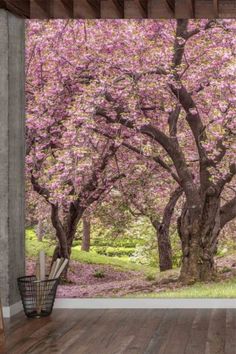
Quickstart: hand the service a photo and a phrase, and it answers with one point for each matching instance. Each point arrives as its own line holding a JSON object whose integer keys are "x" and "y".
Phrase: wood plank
{"x": 135, "y": 9}
{"x": 230, "y": 338}
{"x": 94, "y": 337}
{"x": 204, "y": 9}
{"x": 198, "y": 334}
{"x": 39, "y": 9}
{"x": 17, "y": 7}
{"x": 216, "y": 8}
{"x": 184, "y": 9}
{"x": 124, "y": 332}
{"x": 216, "y": 332}
{"x": 3, "y": 4}
{"x": 159, "y": 9}
{"x": 180, "y": 335}
{"x": 61, "y": 8}
{"x": 86, "y": 9}
{"x": 112, "y": 9}
{"x": 70, "y": 339}
{"x": 143, "y": 327}
{"x": 44, "y": 332}
{"x": 162, "y": 334}
{"x": 19, "y": 343}
{"x": 227, "y": 8}
{"x": 43, "y": 9}
{"x": 48, "y": 335}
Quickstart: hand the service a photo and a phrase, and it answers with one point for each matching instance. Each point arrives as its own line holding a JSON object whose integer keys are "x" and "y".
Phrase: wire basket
{"x": 37, "y": 296}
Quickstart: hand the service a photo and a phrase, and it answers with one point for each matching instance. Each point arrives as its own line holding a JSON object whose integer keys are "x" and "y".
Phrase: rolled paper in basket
{"x": 62, "y": 267}
{"x": 57, "y": 272}
{"x": 42, "y": 264}
{"x": 54, "y": 269}
{"x": 37, "y": 284}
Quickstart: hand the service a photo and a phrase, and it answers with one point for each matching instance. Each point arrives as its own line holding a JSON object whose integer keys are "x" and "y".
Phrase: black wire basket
{"x": 37, "y": 296}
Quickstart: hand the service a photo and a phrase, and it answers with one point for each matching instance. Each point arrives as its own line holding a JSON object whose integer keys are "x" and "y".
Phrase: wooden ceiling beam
{"x": 184, "y": 9}
{"x": 227, "y": 8}
{"x": 17, "y": 7}
{"x": 171, "y": 4}
{"x": 160, "y": 9}
{"x": 112, "y": 8}
{"x": 61, "y": 8}
{"x": 86, "y": 9}
{"x": 204, "y": 9}
{"x": 3, "y": 4}
{"x": 135, "y": 9}
{"x": 43, "y": 9}
{"x": 216, "y": 8}
{"x": 39, "y": 9}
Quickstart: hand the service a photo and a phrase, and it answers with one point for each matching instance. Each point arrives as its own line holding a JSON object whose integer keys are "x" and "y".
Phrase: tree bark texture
{"x": 86, "y": 235}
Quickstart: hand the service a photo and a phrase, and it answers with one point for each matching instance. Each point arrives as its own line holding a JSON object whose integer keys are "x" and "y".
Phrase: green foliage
{"x": 176, "y": 250}
{"x": 226, "y": 246}
{"x": 225, "y": 270}
{"x": 150, "y": 277}
{"x": 116, "y": 242}
{"x": 114, "y": 251}
{"x": 99, "y": 273}
{"x": 33, "y": 246}
{"x": 121, "y": 263}
{"x": 146, "y": 254}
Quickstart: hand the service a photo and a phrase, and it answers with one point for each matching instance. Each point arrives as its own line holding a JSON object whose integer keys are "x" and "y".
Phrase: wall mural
{"x": 130, "y": 157}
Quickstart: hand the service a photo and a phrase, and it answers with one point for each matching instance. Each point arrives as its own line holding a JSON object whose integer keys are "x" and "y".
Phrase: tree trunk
{"x": 199, "y": 243}
{"x": 86, "y": 235}
{"x": 197, "y": 265}
{"x": 163, "y": 231}
{"x": 164, "y": 247}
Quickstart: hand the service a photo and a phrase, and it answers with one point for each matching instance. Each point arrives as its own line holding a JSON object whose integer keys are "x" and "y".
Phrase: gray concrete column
{"x": 12, "y": 141}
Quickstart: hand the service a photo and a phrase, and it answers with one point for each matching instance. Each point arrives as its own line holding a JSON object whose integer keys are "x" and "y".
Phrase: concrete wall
{"x": 12, "y": 247}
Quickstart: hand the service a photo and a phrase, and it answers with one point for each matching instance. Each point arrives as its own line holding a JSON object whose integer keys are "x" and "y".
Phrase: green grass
{"x": 224, "y": 289}
{"x": 33, "y": 246}
{"x": 114, "y": 251}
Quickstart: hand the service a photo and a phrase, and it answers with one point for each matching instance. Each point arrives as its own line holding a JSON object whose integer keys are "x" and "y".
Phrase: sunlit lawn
{"x": 225, "y": 289}
{"x": 33, "y": 246}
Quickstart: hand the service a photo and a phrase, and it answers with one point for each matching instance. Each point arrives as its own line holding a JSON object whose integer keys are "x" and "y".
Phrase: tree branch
{"x": 228, "y": 178}
{"x": 43, "y": 191}
{"x": 171, "y": 146}
{"x": 156, "y": 159}
{"x": 169, "y": 210}
{"x": 173, "y": 120}
{"x": 228, "y": 212}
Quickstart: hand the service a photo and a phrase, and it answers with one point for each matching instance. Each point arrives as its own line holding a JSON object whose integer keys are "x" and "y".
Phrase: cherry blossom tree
{"x": 66, "y": 164}
{"x": 149, "y": 192}
{"x": 164, "y": 88}
{"x": 183, "y": 100}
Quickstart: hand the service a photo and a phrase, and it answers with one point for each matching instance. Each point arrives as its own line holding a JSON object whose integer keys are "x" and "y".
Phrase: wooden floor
{"x": 125, "y": 331}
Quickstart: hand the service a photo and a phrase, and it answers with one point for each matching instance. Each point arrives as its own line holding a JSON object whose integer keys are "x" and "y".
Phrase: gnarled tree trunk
{"x": 163, "y": 231}
{"x": 199, "y": 242}
{"x": 164, "y": 246}
{"x": 65, "y": 233}
{"x": 86, "y": 235}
